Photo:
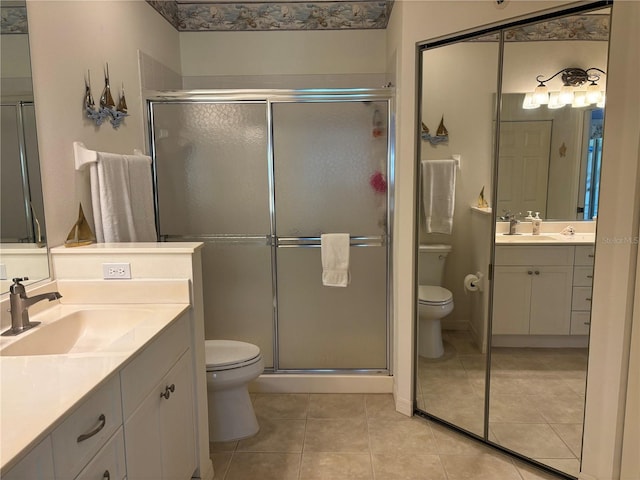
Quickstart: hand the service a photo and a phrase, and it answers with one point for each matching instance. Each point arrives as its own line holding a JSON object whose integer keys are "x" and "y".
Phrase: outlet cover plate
{"x": 118, "y": 271}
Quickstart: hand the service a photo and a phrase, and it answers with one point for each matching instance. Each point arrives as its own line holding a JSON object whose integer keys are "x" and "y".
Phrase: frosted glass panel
{"x": 324, "y": 157}
{"x": 329, "y": 327}
{"x": 238, "y": 297}
{"x": 212, "y": 168}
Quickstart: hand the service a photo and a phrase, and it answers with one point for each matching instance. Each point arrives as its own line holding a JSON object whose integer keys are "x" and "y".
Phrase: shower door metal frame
{"x": 269, "y": 98}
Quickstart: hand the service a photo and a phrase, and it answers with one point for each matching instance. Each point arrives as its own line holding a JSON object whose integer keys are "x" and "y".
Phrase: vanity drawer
{"x": 109, "y": 463}
{"x": 543, "y": 255}
{"x": 585, "y": 254}
{"x": 37, "y": 464}
{"x": 580, "y": 323}
{"x": 145, "y": 371}
{"x": 581, "y": 299}
{"x": 84, "y": 432}
{"x": 582, "y": 276}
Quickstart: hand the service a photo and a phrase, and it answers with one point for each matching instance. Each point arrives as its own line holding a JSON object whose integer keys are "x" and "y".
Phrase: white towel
{"x": 335, "y": 259}
{"x": 122, "y": 198}
{"x": 439, "y": 194}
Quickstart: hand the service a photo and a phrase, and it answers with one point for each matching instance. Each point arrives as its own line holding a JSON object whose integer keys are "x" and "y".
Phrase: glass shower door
{"x": 213, "y": 186}
{"x": 330, "y": 167}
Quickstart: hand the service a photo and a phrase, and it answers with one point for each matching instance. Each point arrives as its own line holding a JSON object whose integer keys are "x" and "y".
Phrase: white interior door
{"x": 523, "y": 167}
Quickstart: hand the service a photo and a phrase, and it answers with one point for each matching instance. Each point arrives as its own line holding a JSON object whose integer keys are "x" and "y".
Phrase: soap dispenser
{"x": 529, "y": 217}
{"x": 535, "y": 224}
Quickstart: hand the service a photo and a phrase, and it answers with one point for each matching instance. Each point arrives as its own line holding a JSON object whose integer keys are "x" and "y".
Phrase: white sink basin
{"x": 81, "y": 331}
{"x": 526, "y": 238}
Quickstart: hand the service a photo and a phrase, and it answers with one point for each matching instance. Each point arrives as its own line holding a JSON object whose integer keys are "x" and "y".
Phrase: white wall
{"x": 288, "y": 59}
{"x": 67, "y": 39}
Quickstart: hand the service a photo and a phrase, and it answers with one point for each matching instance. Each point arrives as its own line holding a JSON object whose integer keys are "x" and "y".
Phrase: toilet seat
{"x": 230, "y": 354}
{"x": 434, "y": 295}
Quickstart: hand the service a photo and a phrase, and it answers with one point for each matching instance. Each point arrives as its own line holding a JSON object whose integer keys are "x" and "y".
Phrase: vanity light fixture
{"x": 573, "y": 91}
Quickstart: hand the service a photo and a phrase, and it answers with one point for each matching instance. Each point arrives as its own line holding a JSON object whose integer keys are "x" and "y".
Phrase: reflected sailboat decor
{"x": 441, "y": 136}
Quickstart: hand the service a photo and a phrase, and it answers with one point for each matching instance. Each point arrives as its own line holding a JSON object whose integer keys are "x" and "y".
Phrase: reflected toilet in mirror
{"x": 434, "y": 301}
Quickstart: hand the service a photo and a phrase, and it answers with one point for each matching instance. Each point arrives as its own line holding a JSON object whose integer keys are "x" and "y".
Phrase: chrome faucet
{"x": 513, "y": 222}
{"x": 20, "y": 304}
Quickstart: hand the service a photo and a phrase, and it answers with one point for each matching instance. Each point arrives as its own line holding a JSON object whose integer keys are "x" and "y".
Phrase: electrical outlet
{"x": 116, "y": 270}
{"x": 3, "y": 272}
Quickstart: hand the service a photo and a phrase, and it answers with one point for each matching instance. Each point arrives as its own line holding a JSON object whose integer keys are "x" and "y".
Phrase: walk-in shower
{"x": 258, "y": 176}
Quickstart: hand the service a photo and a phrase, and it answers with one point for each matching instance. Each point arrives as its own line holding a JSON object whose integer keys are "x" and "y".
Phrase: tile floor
{"x": 536, "y": 403}
{"x": 354, "y": 437}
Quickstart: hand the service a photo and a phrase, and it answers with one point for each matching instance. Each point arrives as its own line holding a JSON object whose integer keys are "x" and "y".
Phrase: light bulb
{"x": 579, "y": 100}
{"x": 566, "y": 95}
{"x": 593, "y": 93}
{"x": 554, "y": 101}
{"x": 541, "y": 94}
{"x": 529, "y": 102}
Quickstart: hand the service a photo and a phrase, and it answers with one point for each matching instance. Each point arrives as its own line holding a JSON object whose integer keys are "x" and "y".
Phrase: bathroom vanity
{"x": 542, "y": 290}
{"x": 130, "y": 407}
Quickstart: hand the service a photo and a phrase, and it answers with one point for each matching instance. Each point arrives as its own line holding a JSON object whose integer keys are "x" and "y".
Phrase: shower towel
{"x": 438, "y": 194}
{"x": 122, "y": 198}
{"x": 335, "y": 259}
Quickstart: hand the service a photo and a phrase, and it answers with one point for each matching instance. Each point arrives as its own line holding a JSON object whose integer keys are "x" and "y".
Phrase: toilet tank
{"x": 431, "y": 262}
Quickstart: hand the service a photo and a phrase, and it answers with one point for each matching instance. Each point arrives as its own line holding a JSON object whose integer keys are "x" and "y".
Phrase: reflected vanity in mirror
{"x": 23, "y": 251}
{"x": 513, "y": 370}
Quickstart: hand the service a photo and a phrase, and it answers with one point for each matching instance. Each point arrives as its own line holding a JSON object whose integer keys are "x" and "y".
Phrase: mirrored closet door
{"x": 522, "y": 108}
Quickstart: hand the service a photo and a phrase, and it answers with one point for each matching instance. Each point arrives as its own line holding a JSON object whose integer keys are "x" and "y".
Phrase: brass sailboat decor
{"x": 441, "y": 136}
{"x": 107, "y": 108}
{"x": 80, "y": 233}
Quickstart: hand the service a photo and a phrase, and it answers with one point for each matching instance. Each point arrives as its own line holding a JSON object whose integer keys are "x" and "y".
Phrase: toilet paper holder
{"x": 474, "y": 282}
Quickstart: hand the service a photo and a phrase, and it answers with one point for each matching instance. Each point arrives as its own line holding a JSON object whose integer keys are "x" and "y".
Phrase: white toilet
{"x": 231, "y": 365}
{"x": 434, "y": 301}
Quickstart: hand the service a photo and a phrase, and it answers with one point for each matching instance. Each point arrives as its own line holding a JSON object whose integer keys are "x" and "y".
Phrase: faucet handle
{"x": 17, "y": 287}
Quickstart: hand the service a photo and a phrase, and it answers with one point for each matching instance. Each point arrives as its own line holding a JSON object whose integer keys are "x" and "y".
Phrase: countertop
{"x": 37, "y": 392}
{"x": 503, "y": 239}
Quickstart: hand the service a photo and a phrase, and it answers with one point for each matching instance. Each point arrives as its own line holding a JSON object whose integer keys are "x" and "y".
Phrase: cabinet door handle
{"x": 102, "y": 422}
{"x": 587, "y": 323}
{"x": 591, "y": 255}
{"x": 168, "y": 390}
{"x": 588, "y": 299}
{"x": 537, "y": 272}
{"x": 589, "y": 276}
{"x": 106, "y": 475}
{"x": 529, "y": 272}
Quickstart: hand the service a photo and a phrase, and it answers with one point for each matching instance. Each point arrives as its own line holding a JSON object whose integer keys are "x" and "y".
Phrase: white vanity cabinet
{"x": 157, "y": 397}
{"x": 36, "y": 465}
{"x": 533, "y": 290}
{"x": 582, "y": 287}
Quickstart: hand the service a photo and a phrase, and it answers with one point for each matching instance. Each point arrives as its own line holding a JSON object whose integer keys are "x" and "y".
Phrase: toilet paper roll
{"x": 471, "y": 283}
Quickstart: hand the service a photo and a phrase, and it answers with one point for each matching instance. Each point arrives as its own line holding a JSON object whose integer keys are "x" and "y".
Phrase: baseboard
{"x": 310, "y": 383}
{"x": 540, "y": 341}
{"x": 403, "y": 405}
{"x": 455, "y": 325}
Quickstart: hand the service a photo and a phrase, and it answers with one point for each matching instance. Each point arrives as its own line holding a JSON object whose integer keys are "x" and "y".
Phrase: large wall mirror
{"x": 511, "y": 117}
{"x": 23, "y": 251}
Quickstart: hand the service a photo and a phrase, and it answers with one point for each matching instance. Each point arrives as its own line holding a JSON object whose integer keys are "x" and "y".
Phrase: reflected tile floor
{"x": 537, "y": 396}
{"x": 354, "y": 437}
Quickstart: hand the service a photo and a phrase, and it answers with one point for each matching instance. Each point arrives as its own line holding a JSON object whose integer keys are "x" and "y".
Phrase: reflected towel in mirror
{"x": 438, "y": 194}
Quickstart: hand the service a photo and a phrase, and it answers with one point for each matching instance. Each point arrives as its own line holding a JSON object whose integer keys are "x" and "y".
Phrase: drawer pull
{"x": 106, "y": 475}
{"x": 168, "y": 390}
{"x": 103, "y": 421}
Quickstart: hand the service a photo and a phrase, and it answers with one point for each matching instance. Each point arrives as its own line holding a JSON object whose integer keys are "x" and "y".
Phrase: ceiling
{"x": 256, "y": 15}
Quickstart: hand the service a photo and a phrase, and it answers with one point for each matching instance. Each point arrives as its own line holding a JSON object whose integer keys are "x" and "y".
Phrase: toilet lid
{"x": 223, "y": 353}
{"x": 434, "y": 295}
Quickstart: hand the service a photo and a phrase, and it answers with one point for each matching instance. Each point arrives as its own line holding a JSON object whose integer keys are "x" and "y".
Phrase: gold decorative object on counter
{"x": 80, "y": 233}
{"x": 482, "y": 202}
